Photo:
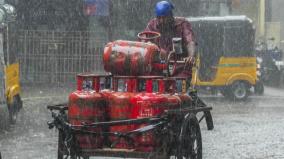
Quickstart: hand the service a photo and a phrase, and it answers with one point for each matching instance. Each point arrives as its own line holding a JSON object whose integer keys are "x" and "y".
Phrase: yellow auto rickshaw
{"x": 10, "y": 89}
{"x": 9, "y": 66}
{"x": 226, "y": 59}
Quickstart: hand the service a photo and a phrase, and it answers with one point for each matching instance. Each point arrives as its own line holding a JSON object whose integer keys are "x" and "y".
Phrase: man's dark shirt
{"x": 182, "y": 29}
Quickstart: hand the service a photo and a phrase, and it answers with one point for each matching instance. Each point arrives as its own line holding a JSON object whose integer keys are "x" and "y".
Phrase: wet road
{"x": 251, "y": 129}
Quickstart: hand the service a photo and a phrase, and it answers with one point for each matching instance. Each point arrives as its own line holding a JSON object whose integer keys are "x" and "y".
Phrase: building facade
{"x": 277, "y": 13}
{"x": 57, "y": 39}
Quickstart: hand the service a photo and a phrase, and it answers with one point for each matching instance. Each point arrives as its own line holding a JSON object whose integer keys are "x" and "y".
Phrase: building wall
{"x": 130, "y": 17}
{"x": 248, "y": 8}
{"x": 277, "y": 13}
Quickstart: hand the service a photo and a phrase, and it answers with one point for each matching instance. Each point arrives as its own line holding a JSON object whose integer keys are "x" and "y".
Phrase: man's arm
{"x": 151, "y": 26}
{"x": 189, "y": 41}
{"x": 189, "y": 60}
{"x": 190, "y": 49}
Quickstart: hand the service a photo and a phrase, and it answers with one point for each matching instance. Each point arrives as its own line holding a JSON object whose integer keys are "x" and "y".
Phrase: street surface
{"x": 243, "y": 130}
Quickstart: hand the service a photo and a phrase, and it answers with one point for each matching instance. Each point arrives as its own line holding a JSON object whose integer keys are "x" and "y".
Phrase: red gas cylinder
{"x": 182, "y": 86}
{"x": 151, "y": 102}
{"x": 167, "y": 87}
{"x": 87, "y": 105}
{"x": 119, "y": 106}
{"x": 147, "y": 105}
{"x": 130, "y": 57}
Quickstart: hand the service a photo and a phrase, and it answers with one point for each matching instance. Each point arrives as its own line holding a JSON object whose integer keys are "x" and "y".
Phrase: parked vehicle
{"x": 226, "y": 58}
{"x": 9, "y": 67}
{"x": 10, "y": 89}
{"x": 271, "y": 64}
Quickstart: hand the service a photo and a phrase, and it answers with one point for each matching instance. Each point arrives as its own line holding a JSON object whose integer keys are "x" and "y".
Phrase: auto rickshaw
{"x": 9, "y": 66}
{"x": 226, "y": 60}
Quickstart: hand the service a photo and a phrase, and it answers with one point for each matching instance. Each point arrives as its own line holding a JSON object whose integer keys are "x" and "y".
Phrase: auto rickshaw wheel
{"x": 14, "y": 108}
{"x": 190, "y": 146}
{"x": 239, "y": 90}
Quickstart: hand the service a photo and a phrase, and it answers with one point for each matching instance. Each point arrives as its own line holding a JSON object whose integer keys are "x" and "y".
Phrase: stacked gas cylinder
{"x": 133, "y": 91}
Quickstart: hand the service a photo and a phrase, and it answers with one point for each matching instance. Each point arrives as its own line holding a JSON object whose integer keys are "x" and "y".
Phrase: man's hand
{"x": 189, "y": 61}
{"x": 163, "y": 54}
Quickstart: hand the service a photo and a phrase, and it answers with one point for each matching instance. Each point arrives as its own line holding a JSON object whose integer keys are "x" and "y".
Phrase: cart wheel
{"x": 207, "y": 114}
{"x": 190, "y": 140}
{"x": 60, "y": 148}
{"x": 78, "y": 157}
{"x": 75, "y": 157}
{"x": 62, "y": 151}
{"x": 209, "y": 120}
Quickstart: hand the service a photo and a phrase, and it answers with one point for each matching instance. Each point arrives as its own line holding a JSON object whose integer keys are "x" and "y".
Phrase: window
{"x": 238, "y": 41}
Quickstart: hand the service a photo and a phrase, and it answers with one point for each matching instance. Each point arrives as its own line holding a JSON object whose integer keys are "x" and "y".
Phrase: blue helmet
{"x": 163, "y": 8}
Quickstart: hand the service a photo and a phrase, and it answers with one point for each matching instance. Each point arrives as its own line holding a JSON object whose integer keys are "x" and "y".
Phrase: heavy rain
{"x": 193, "y": 79}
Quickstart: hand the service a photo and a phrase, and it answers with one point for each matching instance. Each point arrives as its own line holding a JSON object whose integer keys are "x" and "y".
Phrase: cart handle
{"x": 188, "y": 110}
{"x": 123, "y": 122}
{"x": 60, "y": 107}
